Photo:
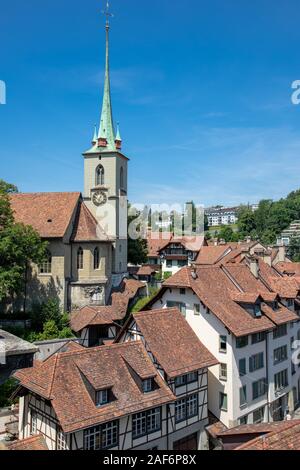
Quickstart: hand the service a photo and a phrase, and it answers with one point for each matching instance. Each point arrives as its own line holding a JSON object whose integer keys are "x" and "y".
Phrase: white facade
{"x": 210, "y": 331}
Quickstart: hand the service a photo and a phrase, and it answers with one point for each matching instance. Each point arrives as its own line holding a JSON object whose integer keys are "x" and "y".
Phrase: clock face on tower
{"x": 99, "y": 198}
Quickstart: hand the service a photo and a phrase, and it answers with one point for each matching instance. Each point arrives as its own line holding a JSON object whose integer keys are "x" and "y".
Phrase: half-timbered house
{"x": 182, "y": 360}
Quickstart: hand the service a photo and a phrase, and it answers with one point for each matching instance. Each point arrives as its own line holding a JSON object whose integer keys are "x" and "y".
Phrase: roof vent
{"x": 194, "y": 274}
{"x": 49, "y": 221}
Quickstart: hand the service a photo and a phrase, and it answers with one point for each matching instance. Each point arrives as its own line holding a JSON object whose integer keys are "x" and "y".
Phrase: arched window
{"x": 121, "y": 178}
{"x": 46, "y": 266}
{"x": 99, "y": 175}
{"x": 80, "y": 258}
{"x": 96, "y": 258}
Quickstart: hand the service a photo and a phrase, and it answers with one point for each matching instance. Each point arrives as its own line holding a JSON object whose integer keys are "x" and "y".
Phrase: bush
{"x": 167, "y": 275}
{"x": 6, "y": 390}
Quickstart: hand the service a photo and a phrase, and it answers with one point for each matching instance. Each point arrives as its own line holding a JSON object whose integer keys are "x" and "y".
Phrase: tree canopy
{"x": 20, "y": 245}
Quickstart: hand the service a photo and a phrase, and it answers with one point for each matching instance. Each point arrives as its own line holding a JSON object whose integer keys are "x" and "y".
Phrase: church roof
{"x": 48, "y": 213}
{"x": 86, "y": 227}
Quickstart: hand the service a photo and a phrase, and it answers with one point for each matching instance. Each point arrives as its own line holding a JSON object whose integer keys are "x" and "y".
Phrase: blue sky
{"x": 202, "y": 90}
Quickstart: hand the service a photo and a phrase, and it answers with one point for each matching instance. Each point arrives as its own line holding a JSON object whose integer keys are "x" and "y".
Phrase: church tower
{"x": 105, "y": 177}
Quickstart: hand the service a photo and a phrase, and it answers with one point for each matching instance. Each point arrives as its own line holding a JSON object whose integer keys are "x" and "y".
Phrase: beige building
{"x": 78, "y": 269}
{"x": 87, "y": 235}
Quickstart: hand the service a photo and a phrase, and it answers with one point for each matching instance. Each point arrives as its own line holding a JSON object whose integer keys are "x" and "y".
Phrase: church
{"x": 86, "y": 233}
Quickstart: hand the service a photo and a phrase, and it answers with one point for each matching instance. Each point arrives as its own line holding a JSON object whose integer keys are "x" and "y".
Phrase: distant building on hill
{"x": 221, "y": 216}
{"x": 291, "y": 232}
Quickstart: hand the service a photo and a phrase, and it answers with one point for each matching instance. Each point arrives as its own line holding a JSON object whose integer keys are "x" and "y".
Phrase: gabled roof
{"x": 108, "y": 314}
{"x": 86, "y": 227}
{"x": 49, "y": 214}
{"x": 64, "y": 378}
{"x": 220, "y": 288}
{"x": 173, "y": 342}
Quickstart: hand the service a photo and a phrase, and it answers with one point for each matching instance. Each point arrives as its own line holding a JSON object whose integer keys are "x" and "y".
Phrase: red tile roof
{"x": 86, "y": 227}
{"x": 218, "y": 286}
{"x": 62, "y": 379}
{"x": 212, "y": 254}
{"x": 145, "y": 271}
{"x": 277, "y": 436}
{"x": 173, "y": 342}
{"x": 288, "y": 268}
{"x": 31, "y": 443}
{"x": 48, "y": 213}
{"x": 108, "y": 314}
{"x": 157, "y": 241}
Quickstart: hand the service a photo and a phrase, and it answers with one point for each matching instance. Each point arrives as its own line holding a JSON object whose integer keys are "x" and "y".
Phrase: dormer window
{"x": 148, "y": 385}
{"x": 101, "y": 397}
{"x": 257, "y": 311}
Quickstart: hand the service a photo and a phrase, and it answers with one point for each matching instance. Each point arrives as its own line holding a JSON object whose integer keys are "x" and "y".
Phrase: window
{"x": 223, "y": 343}
{"x": 121, "y": 178}
{"x": 46, "y": 266}
{"x": 281, "y": 380}
{"x": 259, "y": 388}
{"x": 258, "y": 415}
{"x": 242, "y": 367}
{"x": 186, "y": 379}
{"x": 256, "y": 362}
{"x": 293, "y": 368}
{"x": 146, "y": 422}
{"x": 280, "y": 331}
{"x": 290, "y": 302}
{"x": 197, "y": 309}
{"x": 61, "y": 443}
{"x": 33, "y": 423}
{"x": 292, "y": 342}
{"x": 223, "y": 372}
{"x": 258, "y": 337}
{"x": 181, "y": 263}
{"x": 80, "y": 258}
{"x": 99, "y": 176}
{"x": 243, "y": 395}
{"x": 96, "y": 258}
{"x": 102, "y": 437}
{"x": 241, "y": 342}
{"x": 280, "y": 354}
{"x": 101, "y": 397}
{"x": 147, "y": 385}
{"x": 186, "y": 408}
{"x": 169, "y": 263}
{"x": 243, "y": 420}
{"x": 180, "y": 305}
{"x": 182, "y": 291}
{"x": 223, "y": 401}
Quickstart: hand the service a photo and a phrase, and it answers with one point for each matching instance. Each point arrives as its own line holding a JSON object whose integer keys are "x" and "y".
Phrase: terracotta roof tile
{"x": 49, "y": 214}
{"x": 173, "y": 342}
{"x": 218, "y": 286}
{"x": 31, "y": 443}
{"x": 86, "y": 227}
{"x": 103, "y": 366}
{"x": 285, "y": 437}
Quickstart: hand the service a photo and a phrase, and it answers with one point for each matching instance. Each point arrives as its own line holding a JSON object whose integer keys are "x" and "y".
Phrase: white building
{"x": 221, "y": 216}
{"x": 250, "y": 330}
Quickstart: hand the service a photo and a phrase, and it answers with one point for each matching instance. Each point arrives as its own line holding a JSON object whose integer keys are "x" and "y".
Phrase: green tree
{"x": 226, "y": 233}
{"x": 137, "y": 248}
{"x": 294, "y": 249}
{"x": 20, "y": 245}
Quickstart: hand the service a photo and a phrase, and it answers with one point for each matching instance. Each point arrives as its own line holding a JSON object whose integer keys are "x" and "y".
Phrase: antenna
{"x": 107, "y": 13}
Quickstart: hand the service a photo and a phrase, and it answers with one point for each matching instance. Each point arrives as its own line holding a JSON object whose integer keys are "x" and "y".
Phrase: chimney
{"x": 254, "y": 267}
{"x": 281, "y": 253}
{"x": 267, "y": 257}
{"x": 248, "y": 239}
{"x": 194, "y": 273}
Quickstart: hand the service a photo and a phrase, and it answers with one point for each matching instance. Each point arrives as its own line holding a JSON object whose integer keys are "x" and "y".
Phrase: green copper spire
{"x": 106, "y": 130}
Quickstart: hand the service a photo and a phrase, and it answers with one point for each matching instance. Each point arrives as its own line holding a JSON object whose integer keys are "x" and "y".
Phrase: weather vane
{"x": 107, "y": 13}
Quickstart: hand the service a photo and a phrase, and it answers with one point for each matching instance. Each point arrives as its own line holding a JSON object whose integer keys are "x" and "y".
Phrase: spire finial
{"x": 107, "y": 13}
